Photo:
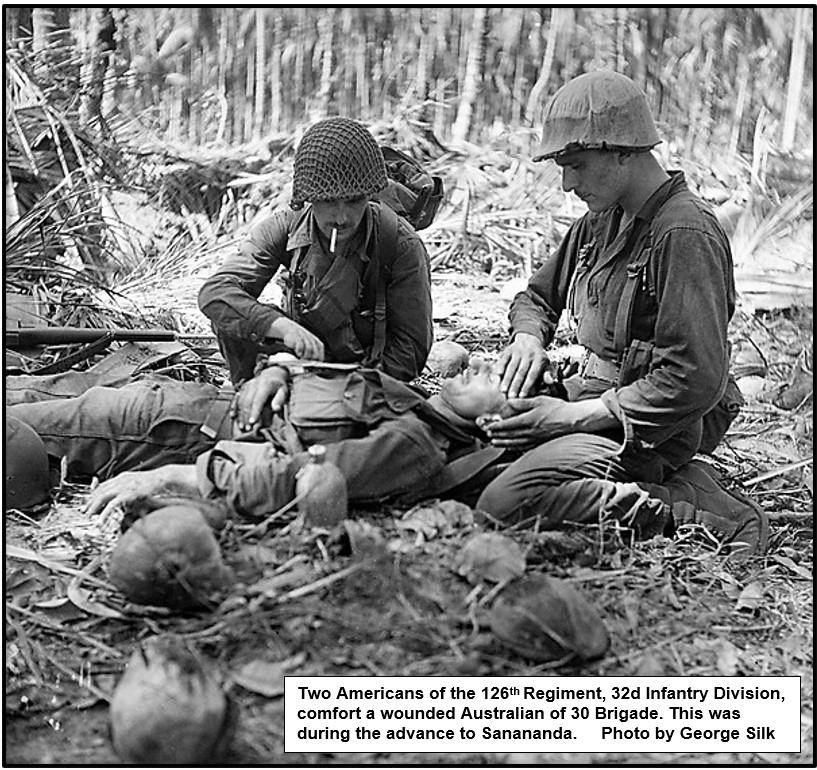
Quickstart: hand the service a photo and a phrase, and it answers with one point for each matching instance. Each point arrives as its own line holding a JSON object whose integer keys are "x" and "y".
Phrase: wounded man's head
{"x": 474, "y": 392}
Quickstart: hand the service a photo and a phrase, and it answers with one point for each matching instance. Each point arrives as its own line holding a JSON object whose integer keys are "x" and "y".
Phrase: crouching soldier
{"x": 357, "y": 277}
{"x": 647, "y": 277}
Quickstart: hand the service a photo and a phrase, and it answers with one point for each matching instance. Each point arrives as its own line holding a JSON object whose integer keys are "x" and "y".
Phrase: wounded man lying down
{"x": 158, "y": 435}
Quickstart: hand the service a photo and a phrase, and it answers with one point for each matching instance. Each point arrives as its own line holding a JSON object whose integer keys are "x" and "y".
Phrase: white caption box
{"x": 542, "y": 714}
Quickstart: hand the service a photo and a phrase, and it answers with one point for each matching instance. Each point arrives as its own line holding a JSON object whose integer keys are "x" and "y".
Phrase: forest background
{"x": 141, "y": 142}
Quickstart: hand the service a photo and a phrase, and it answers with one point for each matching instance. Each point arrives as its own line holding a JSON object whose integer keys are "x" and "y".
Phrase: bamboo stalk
{"x": 779, "y": 471}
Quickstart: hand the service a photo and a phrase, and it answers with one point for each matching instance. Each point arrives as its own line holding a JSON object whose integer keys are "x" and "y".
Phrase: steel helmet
{"x": 337, "y": 159}
{"x": 597, "y": 111}
{"x": 26, "y": 467}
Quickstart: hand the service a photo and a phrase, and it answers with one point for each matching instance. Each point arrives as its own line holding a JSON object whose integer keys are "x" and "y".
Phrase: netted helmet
{"x": 597, "y": 111}
{"x": 337, "y": 159}
{"x": 26, "y": 471}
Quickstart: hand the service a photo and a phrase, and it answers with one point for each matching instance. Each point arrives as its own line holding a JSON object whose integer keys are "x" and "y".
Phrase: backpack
{"x": 415, "y": 195}
{"x": 411, "y": 192}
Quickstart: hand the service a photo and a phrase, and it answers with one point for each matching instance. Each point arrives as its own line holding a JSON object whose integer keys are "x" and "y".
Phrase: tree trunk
{"x": 49, "y": 32}
{"x": 276, "y": 90}
{"x": 11, "y": 205}
{"x": 247, "y": 122}
{"x": 473, "y": 76}
{"x": 347, "y": 99}
{"x": 440, "y": 114}
{"x": 223, "y": 71}
{"x": 326, "y": 33}
{"x": 362, "y": 77}
{"x": 260, "y": 70}
{"x": 547, "y": 63}
{"x": 43, "y": 25}
{"x": 99, "y": 52}
{"x": 298, "y": 81}
{"x": 17, "y": 23}
{"x": 422, "y": 69}
{"x": 621, "y": 31}
{"x": 740, "y": 105}
{"x": 797, "y": 68}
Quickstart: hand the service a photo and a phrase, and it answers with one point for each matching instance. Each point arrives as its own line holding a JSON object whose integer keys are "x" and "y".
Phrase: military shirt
{"x": 400, "y": 451}
{"x": 683, "y": 305}
{"x": 230, "y": 297}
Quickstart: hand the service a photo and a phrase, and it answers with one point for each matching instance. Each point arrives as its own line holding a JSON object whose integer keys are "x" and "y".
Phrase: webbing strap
{"x": 384, "y": 254}
{"x": 466, "y": 468}
{"x": 624, "y": 313}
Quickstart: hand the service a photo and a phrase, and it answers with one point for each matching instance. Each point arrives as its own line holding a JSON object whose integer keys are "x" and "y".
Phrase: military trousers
{"x": 147, "y": 423}
{"x": 155, "y": 421}
{"x": 579, "y": 478}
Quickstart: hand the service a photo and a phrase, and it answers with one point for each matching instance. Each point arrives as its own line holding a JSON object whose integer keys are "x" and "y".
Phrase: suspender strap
{"x": 217, "y": 424}
{"x": 384, "y": 254}
{"x": 465, "y": 468}
{"x": 635, "y": 275}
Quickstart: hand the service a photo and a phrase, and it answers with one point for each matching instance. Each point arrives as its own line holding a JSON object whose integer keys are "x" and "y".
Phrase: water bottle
{"x": 321, "y": 490}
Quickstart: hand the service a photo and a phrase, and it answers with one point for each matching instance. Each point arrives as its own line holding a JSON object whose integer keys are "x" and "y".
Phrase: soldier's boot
{"x": 697, "y": 496}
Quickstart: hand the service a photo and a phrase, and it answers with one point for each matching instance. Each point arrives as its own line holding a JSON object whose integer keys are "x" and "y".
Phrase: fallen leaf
{"x": 728, "y": 657}
{"x": 50, "y": 604}
{"x": 447, "y": 358}
{"x": 631, "y": 611}
{"x": 731, "y": 589}
{"x": 436, "y": 518}
{"x": 82, "y": 599}
{"x": 751, "y": 597}
{"x": 425, "y": 520}
{"x": 266, "y": 677}
{"x": 490, "y": 556}
{"x": 257, "y": 553}
{"x": 649, "y": 665}
{"x": 365, "y": 540}
{"x": 457, "y": 513}
{"x": 668, "y": 592}
{"x": 797, "y": 645}
{"x": 298, "y": 575}
{"x": 793, "y": 566}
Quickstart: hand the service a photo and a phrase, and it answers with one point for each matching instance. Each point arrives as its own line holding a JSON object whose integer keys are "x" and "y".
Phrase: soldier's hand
{"x": 528, "y": 421}
{"x": 299, "y": 340}
{"x": 521, "y": 364}
{"x": 111, "y": 495}
{"x": 268, "y": 387}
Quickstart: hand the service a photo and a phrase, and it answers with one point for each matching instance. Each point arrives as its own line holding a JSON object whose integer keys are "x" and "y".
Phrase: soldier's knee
{"x": 502, "y": 502}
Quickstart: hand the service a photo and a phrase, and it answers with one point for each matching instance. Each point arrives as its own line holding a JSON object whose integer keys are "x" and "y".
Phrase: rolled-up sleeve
{"x": 252, "y": 479}
{"x": 409, "y": 323}
{"x": 692, "y": 272}
{"x": 229, "y": 298}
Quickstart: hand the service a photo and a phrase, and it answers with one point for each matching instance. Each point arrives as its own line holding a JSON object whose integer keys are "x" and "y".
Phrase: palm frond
{"x": 753, "y": 230}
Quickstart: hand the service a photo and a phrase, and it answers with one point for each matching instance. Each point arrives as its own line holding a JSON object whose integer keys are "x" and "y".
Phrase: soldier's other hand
{"x": 299, "y": 340}
{"x": 112, "y": 494}
{"x": 268, "y": 388}
{"x": 521, "y": 364}
{"x": 526, "y": 422}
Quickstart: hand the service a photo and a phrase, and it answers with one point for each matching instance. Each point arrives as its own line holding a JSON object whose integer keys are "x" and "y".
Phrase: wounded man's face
{"x": 474, "y": 392}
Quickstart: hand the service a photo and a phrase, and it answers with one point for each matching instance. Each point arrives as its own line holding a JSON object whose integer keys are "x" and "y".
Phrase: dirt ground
{"x": 672, "y": 607}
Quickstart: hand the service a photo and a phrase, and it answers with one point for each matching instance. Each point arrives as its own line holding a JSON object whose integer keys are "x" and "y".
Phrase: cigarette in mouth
{"x": 333, "y": 240}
